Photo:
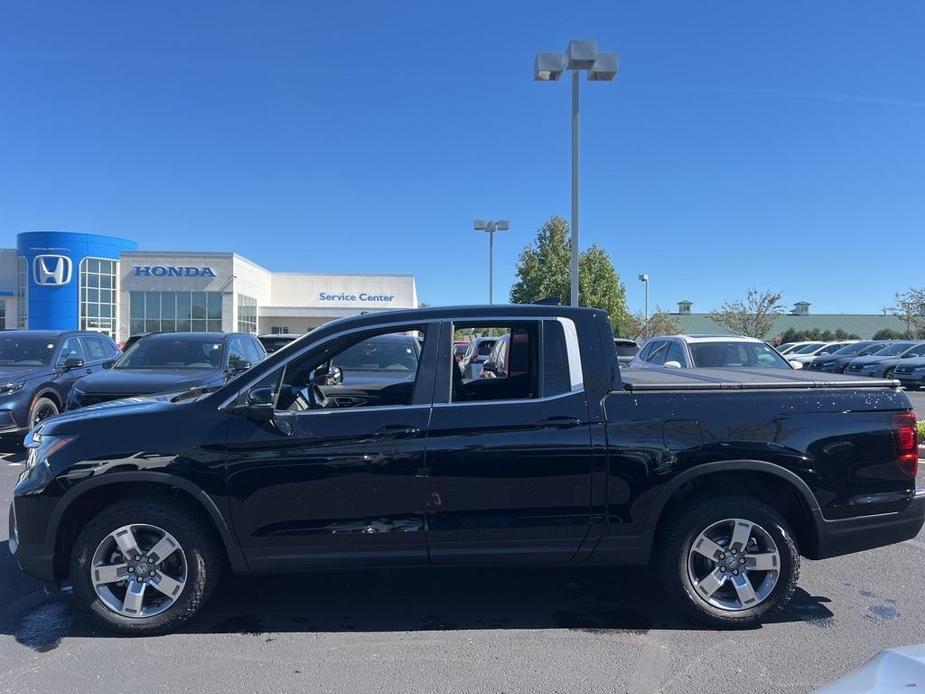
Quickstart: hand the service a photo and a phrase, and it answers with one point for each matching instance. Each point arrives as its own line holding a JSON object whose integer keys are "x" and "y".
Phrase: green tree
{"x": 543, "y": 272}
{"x": 890, "y": 334}
{"x": 753, "y": 316}
{"x": 660, "y": 323}
{"x": 910, "y": 307}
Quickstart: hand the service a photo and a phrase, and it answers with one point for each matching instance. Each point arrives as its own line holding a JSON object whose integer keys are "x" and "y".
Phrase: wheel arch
{"x": 49, "y": 391}
{"x": 91, "y": 496}
{"x": 768, "y": 481}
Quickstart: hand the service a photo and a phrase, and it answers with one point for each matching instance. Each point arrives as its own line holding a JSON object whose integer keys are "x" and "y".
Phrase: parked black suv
{"x": 164, "y": 362}
{"x": 38, "y": 368}
{"x": 720, "y": 479}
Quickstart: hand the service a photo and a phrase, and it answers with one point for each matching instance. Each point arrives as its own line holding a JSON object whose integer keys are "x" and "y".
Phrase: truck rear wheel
{"x": 144, "y": 566}
{"x": 729, "y": 561}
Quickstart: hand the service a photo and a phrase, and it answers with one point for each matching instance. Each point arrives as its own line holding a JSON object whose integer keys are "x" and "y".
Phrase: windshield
{"x": 626, "y": 349}
{"x": 273, "y": 344}
{"x": 378, "y": 354}
{"x": 871, "y": 349}
{"x": 26, "y": 350}
{"x": 808, "y": 349}
{"x": 895, "y": 349}
{"x": 730, "y": 354}
{"x": 852, "y": 348}
{"x": 173, "y": 352}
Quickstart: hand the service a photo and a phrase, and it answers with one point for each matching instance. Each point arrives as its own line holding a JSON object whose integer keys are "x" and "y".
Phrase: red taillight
{"x": 907, "y": 443}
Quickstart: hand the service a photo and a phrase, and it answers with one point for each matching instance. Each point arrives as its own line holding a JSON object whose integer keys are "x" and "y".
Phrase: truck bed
{"x": 742, "y": 379}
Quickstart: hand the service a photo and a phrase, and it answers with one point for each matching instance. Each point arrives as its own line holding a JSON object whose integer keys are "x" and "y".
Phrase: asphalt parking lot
{"x": 463, "y": 631}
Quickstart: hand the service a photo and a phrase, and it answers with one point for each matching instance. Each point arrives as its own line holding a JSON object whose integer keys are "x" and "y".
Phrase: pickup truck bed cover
{"x": 742, "y": 379}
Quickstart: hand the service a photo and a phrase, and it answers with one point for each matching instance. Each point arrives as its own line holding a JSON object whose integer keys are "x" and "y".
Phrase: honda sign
{"x": 51, "y": 270}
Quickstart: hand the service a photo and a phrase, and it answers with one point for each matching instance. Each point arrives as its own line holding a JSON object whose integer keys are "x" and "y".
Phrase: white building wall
{"x": 363, "y": 292}
{"x": 251, "y": 280}
{"x": 8, "y": 285}
{"x": 221, "y": 264}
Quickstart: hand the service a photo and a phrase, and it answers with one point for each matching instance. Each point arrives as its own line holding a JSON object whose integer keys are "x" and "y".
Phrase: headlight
{"x": 42, "y": 446}
{"x": 10, "y": 388}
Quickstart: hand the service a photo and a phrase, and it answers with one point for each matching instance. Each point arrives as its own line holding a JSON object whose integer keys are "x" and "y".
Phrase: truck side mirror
{"x": 672, "y": 364}
{"x": 260, "y": 405}
{"x": 795, "y": 364}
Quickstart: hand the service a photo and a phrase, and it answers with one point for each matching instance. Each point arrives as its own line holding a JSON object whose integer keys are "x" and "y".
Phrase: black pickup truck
{"x": 718, "y": 479}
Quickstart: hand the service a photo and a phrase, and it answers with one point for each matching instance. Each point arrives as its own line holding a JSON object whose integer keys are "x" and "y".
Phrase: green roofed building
{"x": 865, "y": 325}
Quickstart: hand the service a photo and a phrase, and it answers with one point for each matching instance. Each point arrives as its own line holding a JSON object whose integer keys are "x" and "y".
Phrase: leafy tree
{"x": 814, "y": 335}
{"x": 543, "y": 272}
{"x": 910, "y": 307}
{"x": 753, "y": 316}
{"x": 890, "y": 334}
{"x": 660, "y": 323}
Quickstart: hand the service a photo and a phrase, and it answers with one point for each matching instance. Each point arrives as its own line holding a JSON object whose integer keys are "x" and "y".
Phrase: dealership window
{"x": 279, "y": 330}
{"x": 22, "y": 278}
{"x": 98, "y": 295}
{"x": 175, "y": 312}
{"x": 247, "y": 314}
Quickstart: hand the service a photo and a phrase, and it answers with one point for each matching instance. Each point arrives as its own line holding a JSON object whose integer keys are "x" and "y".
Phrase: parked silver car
{"x": 707, "y": 351}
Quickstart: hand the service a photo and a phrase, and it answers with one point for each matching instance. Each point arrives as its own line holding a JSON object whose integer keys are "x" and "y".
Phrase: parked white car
{"x": 789, "y": 347}
{"x": 807, "y": 353}
{"x": 707, "y": 351}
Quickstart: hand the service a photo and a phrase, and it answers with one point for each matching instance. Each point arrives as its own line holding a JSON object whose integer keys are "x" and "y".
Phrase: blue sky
{"x": 777, "y": 145}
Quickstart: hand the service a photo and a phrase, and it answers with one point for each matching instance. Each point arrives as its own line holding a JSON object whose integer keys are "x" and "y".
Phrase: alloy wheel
{"x": 734, "y": 564}
{"x": 139, "y": 570}
{"x": 44, "y": 411}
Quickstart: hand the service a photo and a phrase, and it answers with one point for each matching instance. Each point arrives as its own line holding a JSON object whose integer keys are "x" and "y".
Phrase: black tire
{"x": 42, "y": 408}
{"x": 202, "y": 554}
{"x": 888, "y": 373}
{"x": 682, "y": 529}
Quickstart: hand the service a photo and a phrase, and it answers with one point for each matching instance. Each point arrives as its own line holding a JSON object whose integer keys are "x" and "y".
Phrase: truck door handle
{"x": 395, "y": 431}
{"x": 559, "y": 422}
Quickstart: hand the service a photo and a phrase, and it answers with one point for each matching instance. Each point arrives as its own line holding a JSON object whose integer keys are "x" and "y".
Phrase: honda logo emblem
{"x": 51, "y": 270}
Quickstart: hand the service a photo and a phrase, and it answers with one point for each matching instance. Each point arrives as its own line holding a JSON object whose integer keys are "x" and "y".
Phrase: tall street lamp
{"x": 490, "y": 226}
{"x": 601, "y": 67}
{"x": 645, "y": 278}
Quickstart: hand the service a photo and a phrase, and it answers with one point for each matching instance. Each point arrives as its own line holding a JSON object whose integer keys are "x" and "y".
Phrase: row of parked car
{"x": 45, "y": 372}
{"x": 903, "y": 360}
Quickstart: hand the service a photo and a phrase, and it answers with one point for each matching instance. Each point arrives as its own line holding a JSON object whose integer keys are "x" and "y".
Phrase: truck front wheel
{"x": 144, "y": 566}
{"x": 728, "y": 561}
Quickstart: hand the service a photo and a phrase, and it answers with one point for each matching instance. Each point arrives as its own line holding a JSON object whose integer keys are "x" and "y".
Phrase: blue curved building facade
{"x": 67, "y": 280}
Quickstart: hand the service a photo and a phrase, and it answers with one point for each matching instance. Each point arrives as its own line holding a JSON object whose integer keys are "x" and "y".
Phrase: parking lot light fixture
{"x": 490, "y": 227}
{"x": 645, "y": 279}
{"x": 601, "y": 67}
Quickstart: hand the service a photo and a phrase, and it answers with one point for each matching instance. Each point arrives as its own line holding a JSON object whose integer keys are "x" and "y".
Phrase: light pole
{"x": 491, "y": 226}
{"x": 601, "y": 67}
{"x": 645, "y": 278}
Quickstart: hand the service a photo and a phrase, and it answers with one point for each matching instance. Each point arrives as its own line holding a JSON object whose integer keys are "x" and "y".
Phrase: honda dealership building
{"x": 65, "y": 281}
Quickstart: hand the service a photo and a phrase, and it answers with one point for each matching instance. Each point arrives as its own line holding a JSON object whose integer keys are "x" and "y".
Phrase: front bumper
{"x": 915, "y": 380}
{"x": 848, "y": 535}
{"x": 10, "y": 424}
{"x": 35, "y": 559}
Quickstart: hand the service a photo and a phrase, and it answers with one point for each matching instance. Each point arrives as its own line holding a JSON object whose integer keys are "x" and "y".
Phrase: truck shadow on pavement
{"x": 602, "y": 601}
